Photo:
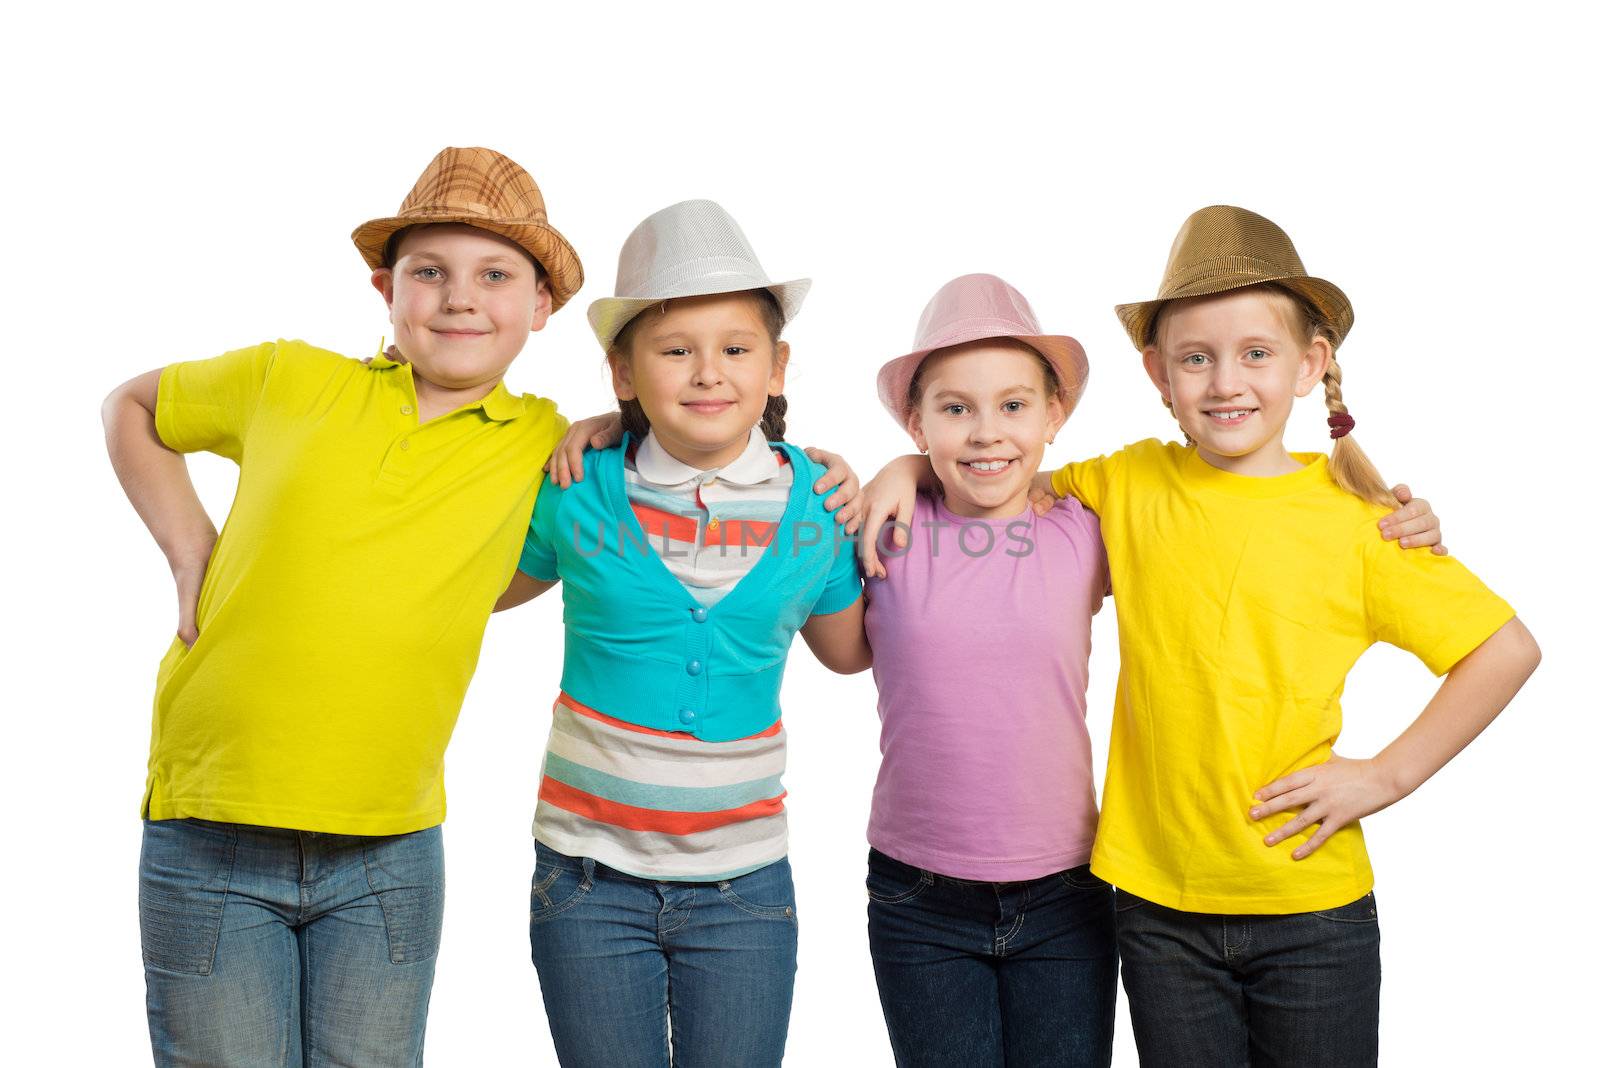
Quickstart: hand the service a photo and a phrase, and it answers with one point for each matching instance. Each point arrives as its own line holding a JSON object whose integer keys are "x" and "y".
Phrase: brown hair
{"x": 1347, "y": 463}
{"x": 391, "y": 248}
{"x": 1052, "y": 381}
{"x": 637, "y": 424}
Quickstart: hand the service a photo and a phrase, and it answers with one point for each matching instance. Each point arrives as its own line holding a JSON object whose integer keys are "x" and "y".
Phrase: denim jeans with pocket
{"x": 643, "y": 974}
{"x": 1267, "y": 991}
{"x": 983, "y": 975}
{"x": 273, "y": 947}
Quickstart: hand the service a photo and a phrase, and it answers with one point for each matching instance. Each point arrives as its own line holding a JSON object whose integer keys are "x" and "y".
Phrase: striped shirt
{"x": 665, "y": 804}
{"x": 708, "y": 527}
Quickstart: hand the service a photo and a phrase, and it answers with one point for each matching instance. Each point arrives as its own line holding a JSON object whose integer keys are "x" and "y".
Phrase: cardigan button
{"x": 693, "y": 667}
{"x": 685, "y": 715}
{"x": 699, "y": 615}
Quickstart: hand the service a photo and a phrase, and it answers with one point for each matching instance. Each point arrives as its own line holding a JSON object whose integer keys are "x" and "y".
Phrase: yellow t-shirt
{"x": 346, "y": 598}
{"x": 1241, "y": 605}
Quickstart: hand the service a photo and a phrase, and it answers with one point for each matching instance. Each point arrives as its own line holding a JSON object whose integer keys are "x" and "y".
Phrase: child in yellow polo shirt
{"x": 291, "y": 879}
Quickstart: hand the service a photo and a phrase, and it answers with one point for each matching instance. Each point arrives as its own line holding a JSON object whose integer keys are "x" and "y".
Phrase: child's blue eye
{"x": 1194, "y": 359}
{"x": 1257, "y": 354}
{"x": 496, "y": 276}
{"x": 1011, "y": 406}
{"x": 955, "y": 409}
{"x": 428, "y": 274}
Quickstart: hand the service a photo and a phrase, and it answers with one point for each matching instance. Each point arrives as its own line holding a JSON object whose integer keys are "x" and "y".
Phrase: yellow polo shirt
{"x": 1242, "y": 603}
{"x": 346, "y": 598}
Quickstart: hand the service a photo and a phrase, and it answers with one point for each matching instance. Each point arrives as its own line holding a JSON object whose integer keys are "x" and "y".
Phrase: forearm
{"x": 522, "y": 589}
{"x": 155, "y": 478}
{"x": 1472, "y": 695}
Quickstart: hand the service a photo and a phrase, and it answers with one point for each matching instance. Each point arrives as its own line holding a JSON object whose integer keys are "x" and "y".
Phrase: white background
{"x": 183, "y": 180}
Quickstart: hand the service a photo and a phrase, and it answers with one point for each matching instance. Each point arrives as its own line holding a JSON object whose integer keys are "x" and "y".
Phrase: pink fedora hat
{"x": 975, "y": 307}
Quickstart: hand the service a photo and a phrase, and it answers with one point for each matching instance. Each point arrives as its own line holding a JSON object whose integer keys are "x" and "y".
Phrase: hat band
{"x": 1240, "y": 266}
{"x": 975, "y": 328}
{"x": 689, "y": 278}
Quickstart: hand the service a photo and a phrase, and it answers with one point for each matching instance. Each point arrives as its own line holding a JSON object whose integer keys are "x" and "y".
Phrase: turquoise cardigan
{"x": 639, "y": 647}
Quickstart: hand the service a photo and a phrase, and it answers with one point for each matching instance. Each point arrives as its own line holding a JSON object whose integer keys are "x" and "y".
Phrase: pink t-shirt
{"x": 980, "y": 647}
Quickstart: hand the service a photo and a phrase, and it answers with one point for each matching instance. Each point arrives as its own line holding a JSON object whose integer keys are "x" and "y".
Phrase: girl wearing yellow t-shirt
{"x": 1248, "y": 581}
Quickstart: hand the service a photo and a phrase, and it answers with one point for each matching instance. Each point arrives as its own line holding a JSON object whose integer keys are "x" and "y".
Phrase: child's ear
{"x": 383, "y": 282}
{"x": 621, "y": 376}
{"x": 541, "y": 306}
{"x": 1156, "y": 368}
{"x": 1056, "y": 416}
{"x": 780, "y": 367}
{"x": 914, "y": 424}
{"x": 1313, "y": 365}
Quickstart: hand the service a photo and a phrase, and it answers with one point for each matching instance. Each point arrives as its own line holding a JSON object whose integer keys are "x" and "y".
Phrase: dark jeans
{"x": 625, "y": 962}
{"x": 265, "y": 946}
{"x": 976, "y": 974}
{"x": 1298, "y": 991}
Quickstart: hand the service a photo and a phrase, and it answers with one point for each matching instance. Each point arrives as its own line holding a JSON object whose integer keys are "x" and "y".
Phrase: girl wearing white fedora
{"x": 663, "y": 917}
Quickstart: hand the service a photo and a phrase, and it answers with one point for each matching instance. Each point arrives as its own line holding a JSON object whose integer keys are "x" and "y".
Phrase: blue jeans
{"x": 644, "y": 974}
{"x": 976, "y": 974}
{"x": 1297, "y": 991}
{"x": 271, "y": 947}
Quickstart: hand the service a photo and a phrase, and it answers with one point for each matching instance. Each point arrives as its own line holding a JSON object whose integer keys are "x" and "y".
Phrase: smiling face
{"x": 984, "y": 414}
{"x": 462, "y": 301}
{"x": 1231, "y": 366}
{"x": 702, "y": 370}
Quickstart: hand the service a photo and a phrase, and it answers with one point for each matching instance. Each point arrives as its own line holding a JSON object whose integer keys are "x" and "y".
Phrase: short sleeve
{"x": 844, "y": 579}
{"x": 1428, "y": 605}
{"x": 1087, "y": 480}
{"x": 539, "y": 546}
{"x": 206, "y": 405}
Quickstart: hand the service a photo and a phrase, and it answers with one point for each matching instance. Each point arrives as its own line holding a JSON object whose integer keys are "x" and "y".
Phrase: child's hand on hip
{"x": 188, "y": 573}
{"x": 1330, "y": 794}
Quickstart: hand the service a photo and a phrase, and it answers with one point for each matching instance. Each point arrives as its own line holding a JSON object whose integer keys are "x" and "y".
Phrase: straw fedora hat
{"x": 976, "y": 307}
{"x": 692, "y": 249}
{"x": 1222, "y": 248}
{"x": 482, "y": 188}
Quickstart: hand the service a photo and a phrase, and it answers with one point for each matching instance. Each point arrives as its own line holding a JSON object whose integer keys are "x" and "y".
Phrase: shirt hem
{"x": 168, "y": 808}
{"x": 620, "y": 861}
{"x": 985, "y": 871}
{"x": 1135, "y": 883}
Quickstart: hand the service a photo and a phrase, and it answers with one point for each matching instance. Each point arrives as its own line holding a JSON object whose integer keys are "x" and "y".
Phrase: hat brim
{"x": 540, "y": 240}
{"x": 1326, "y": 297}
{"x": 1063, "y": 353}
{"x": 608, "y": 315}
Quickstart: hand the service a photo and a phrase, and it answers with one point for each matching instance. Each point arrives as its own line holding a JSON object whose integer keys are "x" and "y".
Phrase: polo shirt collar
{"x": 500, "y": 404}
{"x": 754, "y": 466}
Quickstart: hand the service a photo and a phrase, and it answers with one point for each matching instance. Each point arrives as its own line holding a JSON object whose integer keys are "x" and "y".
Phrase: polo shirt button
{"x": 699, "y": 615}
{"x": 405, "y": 444}
{"x": 405, "y": 409}
{"x": 693, "y": 667}
{"x": 685, "y": 715}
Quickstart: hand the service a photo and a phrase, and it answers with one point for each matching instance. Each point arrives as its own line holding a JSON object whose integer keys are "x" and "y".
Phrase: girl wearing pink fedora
{"x": 1248, "y": 581}
{"x": 991, "y": 940}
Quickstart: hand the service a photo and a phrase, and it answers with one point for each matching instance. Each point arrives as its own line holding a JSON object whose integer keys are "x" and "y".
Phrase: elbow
{"x": 1528, "y": 650}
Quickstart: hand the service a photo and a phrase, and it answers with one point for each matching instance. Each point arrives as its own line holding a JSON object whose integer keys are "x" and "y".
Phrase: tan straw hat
{"x": 482, "y": 188}
{"x": 1222, "y": 248}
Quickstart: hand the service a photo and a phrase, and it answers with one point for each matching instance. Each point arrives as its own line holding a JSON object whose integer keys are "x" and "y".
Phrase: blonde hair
{"x": 1350, "y": 467}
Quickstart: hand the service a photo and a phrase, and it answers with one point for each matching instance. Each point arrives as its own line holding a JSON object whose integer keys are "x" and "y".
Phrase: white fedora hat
{"x": 692, "y": 249}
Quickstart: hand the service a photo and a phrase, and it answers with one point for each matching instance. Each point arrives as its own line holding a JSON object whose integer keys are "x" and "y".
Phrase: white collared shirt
{"x": 708, "y": 527}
